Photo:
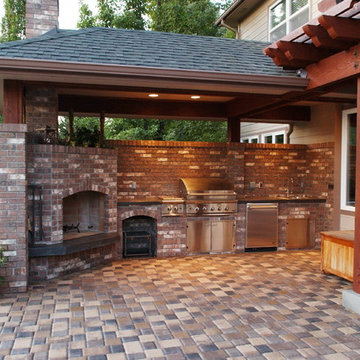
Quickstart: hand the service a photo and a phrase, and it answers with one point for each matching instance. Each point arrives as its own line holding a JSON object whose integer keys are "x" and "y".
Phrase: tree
{"x": 128, "y": 14}
{"x": 13, "y": 22}
{"x": 195, "y": 17}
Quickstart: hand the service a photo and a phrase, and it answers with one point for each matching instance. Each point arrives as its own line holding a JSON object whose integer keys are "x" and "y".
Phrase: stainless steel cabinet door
{"x": 198, "y": 236}
{"x": 222, "y": 235}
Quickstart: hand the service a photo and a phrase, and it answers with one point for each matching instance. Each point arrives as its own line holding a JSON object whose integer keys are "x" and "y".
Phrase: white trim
{"x": 344, "y": 147}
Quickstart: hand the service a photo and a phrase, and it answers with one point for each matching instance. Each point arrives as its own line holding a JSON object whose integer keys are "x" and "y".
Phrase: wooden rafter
{"x": 340, "y": 28}
{"x": 321, "y": 38}
{"x": 302, "y": 52}
{"x": 280, "y": 59}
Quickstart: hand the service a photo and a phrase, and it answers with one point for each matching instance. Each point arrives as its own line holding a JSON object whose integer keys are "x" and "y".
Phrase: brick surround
{"x": 13, "y": 216}
{"x": 63, "y": 171}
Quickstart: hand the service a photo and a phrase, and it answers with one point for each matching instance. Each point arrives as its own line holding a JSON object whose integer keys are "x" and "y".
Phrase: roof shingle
{"x": 146, "y": 49}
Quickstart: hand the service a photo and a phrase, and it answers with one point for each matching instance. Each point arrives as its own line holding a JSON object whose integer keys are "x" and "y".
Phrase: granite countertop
{"x": 282, "y": 199}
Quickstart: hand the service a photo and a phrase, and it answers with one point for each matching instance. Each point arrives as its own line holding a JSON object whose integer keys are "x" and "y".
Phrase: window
{"x": 348, "y": 160}
{"x": 250, "y": 139}
{"x": 277, "y": 137}
{"x": 286, "y": 16}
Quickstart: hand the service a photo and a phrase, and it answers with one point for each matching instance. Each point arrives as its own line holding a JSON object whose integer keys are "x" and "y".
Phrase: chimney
{"x": 41, "y": 17}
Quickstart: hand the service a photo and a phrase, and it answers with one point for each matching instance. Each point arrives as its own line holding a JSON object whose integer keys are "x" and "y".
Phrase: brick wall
{"x": 13, "y": 217}
{"x": 41, "y": 108}
{"x": 63, "y": 171}
{"x": 320, "y": 176}
{"x": 157, "y": 166}
{"x": 49, "y": 267}
{"x": 41, "y": 16}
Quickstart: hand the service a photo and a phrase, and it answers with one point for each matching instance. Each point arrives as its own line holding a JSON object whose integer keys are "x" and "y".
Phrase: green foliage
{"x": 3, "y": 260}
{"x": 195, "y": 17}
{"x": 127, "y": 14}
{"x": 13, "y": 22}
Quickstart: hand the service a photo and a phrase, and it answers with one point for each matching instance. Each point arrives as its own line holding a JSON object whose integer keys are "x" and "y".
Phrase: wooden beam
{"x": 102, "y": 125}
{"x": 71, "y": 125}
{"x": 280, "y": 59}
{"x": 147, "y": 108}
{"x": 321, "y": 38}
{"x": 356, "y": 283}
{"x": 336, "y": 68}
{"x": 234, "y": 129}
{"x": 13, "y": 102}
{"x": 341, "y": 28}
{"x": 286, "y": 114}
{"x": 295, "y": 51}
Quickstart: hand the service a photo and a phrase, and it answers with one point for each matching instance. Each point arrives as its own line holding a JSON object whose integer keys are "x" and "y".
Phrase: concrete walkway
{"x": 243, "y": 306}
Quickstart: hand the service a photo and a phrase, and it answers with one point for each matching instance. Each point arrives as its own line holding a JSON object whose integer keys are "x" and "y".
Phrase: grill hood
{"x": 205, "y": 188}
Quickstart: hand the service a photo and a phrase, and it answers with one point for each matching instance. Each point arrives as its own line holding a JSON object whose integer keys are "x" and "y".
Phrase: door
{"x": 297, "y": 233}
{"x": 198, "y": 235}
{"x": 222, "y": 235}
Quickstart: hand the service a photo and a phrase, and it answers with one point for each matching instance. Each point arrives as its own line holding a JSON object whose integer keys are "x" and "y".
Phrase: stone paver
{"x": 242, "y": 306}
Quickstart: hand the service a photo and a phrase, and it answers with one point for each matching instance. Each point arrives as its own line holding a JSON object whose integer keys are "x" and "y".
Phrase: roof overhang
{"x": 238, "y": 10}
{"x": 161, "y": 78}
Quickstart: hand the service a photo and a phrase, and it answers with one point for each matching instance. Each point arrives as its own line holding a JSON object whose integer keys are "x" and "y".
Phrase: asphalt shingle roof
{"x": 146, "y": 48}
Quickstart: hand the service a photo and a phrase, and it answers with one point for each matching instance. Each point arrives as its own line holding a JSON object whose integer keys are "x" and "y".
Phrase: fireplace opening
{"x": 139, "y": 237}
{"x": 83, "y": 214}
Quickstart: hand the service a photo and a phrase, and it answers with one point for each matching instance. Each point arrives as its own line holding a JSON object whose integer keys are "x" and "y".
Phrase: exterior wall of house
{"x": 249, "y": 129}
{"x": 13, "y": 213}
{"x": 320, "y": 129}
{"x": 256, "y": 25}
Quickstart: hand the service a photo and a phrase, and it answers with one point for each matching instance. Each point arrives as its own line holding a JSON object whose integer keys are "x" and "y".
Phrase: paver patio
{"x": 241, "y": 306}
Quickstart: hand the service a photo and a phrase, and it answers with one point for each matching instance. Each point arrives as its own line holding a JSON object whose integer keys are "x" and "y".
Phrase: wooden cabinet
{"x": 297, "y": 233}
{"x": 337, "y": 253}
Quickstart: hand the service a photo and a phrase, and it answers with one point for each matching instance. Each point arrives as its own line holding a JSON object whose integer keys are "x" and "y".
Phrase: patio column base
{"x": 351, "y": 300}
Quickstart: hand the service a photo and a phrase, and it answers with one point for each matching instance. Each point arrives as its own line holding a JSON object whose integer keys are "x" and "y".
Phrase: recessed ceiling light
{"x": 154, "y": 95}
{"x": 195, "y": 97}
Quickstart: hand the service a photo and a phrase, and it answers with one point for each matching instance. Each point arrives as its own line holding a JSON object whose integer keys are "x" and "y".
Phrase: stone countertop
{"x": 151, "y": 200}
{"x": 280, "y": 199}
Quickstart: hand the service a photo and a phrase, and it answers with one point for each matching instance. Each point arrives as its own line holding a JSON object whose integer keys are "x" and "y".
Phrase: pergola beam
{"x": 336, "y": 68}
{"x": 340, "y": 28}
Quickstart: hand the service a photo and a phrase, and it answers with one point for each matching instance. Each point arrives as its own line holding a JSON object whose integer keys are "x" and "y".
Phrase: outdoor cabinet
{"x": 210, "y": 235}
{"x": 297, "y": 233}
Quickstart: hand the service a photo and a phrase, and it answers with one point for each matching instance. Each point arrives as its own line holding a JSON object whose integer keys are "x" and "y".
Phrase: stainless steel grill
{"x": 208, "y": 197}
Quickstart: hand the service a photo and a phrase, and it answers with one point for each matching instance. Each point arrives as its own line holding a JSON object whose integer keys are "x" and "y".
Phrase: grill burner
{"x": 208, "y": 197}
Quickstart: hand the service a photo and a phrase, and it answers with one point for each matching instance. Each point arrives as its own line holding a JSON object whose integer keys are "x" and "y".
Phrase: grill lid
{"x": 206, "y": 187}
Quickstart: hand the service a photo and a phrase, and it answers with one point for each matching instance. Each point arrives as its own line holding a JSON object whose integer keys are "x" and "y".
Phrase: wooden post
{"x": 102, "y": 125}
{"x": 356, "y": 284}
{"x": 71, "y": 125}
{"x": 13, "y": 102}
{"x": 234, "y": 130}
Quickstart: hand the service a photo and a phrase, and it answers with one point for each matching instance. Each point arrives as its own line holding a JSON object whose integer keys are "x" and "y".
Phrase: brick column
{"x": 13, "y": 216}
{"x": 41, "y": 108}
{"x": 41, "y": 16}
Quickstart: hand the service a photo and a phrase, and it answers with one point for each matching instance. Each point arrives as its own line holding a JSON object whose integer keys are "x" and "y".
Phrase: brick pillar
{"x": 13, "y": 216}
{"x": 41, "y": 17}
{"x": 41, "y": 108}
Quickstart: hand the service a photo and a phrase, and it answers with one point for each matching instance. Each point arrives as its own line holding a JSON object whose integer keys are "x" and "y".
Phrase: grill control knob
{"x": 226, "y": 208}
{"x": 175, "y": 208}
{"x": 169, "y": 208}
{"x": 204, "y": 208}
{"x": 212, "y": 209}
{"x": 197, "y": 209}
{"x": 219, "y": 208}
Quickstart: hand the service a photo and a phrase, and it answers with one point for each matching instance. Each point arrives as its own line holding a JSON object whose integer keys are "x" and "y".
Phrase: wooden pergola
{"x": 327, "y": 51}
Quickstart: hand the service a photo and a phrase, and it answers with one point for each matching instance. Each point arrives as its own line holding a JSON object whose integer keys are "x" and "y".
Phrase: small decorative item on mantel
{"x": 46, "y": 135}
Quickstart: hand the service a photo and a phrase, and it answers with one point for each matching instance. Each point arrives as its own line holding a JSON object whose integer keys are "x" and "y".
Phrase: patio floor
{"x": 243, "y": 306}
